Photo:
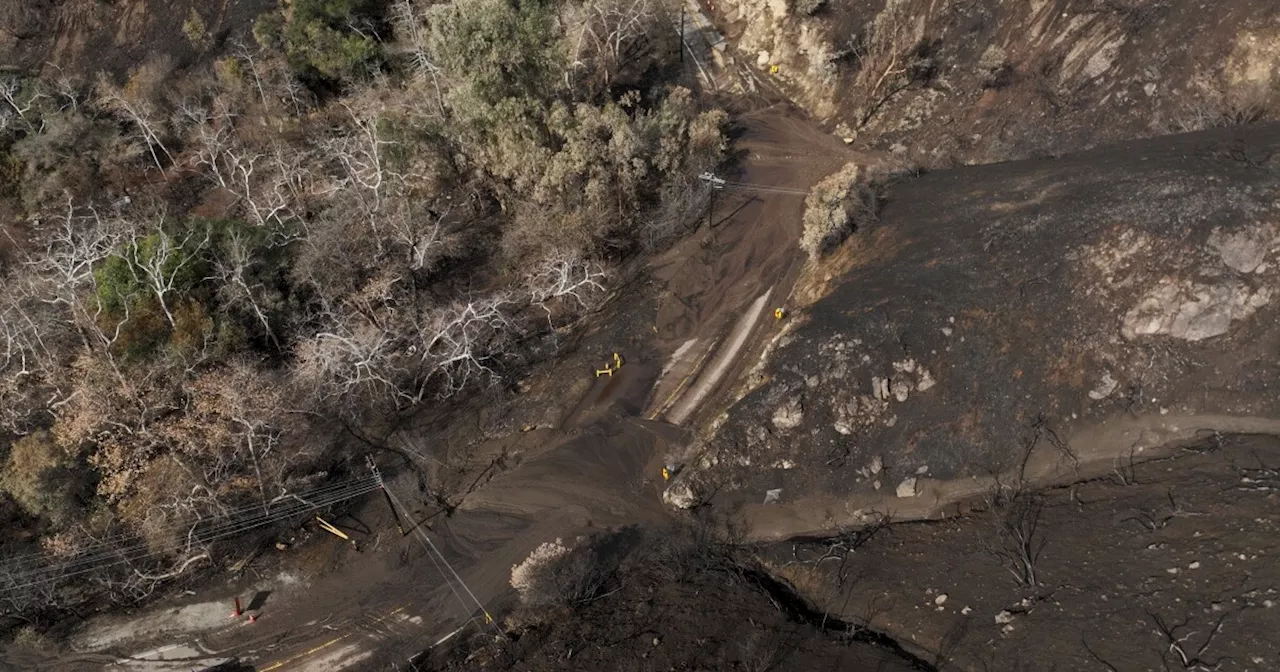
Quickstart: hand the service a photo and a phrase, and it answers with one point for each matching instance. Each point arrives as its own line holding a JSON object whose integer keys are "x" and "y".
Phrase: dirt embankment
{"x": 1036, "y": 319}
{"x": 976, "y": 82}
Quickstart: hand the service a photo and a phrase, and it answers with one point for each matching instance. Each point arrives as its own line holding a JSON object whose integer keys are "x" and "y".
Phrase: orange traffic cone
{"x": 235, "y": 613}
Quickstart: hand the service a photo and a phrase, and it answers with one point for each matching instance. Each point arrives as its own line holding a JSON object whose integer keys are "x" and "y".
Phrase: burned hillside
{"x": 1026, "y": 318}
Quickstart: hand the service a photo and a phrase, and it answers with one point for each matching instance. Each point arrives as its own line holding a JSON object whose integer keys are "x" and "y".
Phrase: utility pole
{"x": 681, "y": 33}
{"x": 716, "y": 185}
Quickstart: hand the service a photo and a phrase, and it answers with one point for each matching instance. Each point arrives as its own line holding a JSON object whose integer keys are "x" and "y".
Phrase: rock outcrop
{"x": 1004, "y": 79}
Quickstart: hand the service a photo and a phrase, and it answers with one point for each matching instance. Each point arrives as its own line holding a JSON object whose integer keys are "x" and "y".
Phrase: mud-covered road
{"x": 595, "y": 468}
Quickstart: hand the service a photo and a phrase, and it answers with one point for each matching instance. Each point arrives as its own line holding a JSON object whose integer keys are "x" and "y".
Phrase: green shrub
{"x": 500, "y": 49}
{"x": 808, "y": 7}
{"x": 268, "y": 31}
{"x": 122, "y": 282}
{"x": 318, "y": 38}
{"x": 29, "y": 639}
{"x": 332, "y": 53}
{"x": 195, "y": 29}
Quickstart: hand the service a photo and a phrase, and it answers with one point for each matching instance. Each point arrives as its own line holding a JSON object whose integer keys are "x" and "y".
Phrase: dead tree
{"x": 762, "y": 651}
{"x": 1180, "y": 651}
{"x": 459, "y": 342}
{"x": 840, "y": 548}
{"x": 1018, "y": 540}
{"x": 564, "y": 276}
{"x": 886, "y": 56}
{"x": 139, "y": 111}
{"x": 1262, "y": 478}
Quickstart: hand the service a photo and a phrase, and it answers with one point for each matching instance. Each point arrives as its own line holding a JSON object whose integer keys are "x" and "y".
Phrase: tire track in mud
{"x": 726, "y": 356}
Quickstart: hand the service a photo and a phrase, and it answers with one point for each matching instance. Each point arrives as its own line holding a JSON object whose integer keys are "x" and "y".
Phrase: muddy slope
{"x": 1080, "y": 309}
{"x": 1186, "y": 544}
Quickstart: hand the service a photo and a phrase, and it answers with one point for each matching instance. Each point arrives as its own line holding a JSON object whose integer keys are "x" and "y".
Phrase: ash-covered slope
{"x": 1039, "y": 318}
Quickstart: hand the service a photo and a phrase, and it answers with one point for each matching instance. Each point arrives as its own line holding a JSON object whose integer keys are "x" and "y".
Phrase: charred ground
{"x": 1002, "y": 310}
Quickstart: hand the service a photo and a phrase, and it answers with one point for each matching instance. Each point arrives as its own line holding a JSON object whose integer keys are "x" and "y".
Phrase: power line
{"x": 765, "y": 188}
{"x": 112, "y": 541}
{"x": 233, "y": 526}
{"x": 242, "y": 514}
{"x": 718, "y": 183}
{"x": 434, "y": 552}
{"x": 113, "y": 557}
{"x": 137, "y": 553}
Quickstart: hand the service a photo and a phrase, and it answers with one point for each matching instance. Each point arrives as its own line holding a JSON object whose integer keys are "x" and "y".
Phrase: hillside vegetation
{"x": 369, "y": 208}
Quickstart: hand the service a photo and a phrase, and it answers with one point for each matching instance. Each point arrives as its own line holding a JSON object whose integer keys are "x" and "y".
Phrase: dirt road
{"x": 714, "y": 281}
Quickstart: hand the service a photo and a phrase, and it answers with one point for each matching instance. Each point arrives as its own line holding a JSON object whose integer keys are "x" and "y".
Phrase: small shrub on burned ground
{"x": 837, "y": 206}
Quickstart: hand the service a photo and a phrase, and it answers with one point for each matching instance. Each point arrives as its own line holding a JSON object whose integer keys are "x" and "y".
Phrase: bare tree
{"x": 19, "y": 105}
{"x": 249, "y": 403}
{"x": 363, "y": 175}
{"x": 162, "y": 261}
{"x": 1180, "y": 647}
{"x": 762, "y": 652}
{"x": 361, "y": 154}
{"x": 29, "y": 352}
{"x": 75, "y": 242}
{"x": 564, "y": 276}
{"x": 267, "y": 202}
{"x": 141, "y": 112}
{"x": 232, "y": 269}
{"x": 459, "y": 342}
{"x": 41, "y": 306}
{"x": 1019, "y": 540}
{"x": 266, "y": 183}
{"x": 249, "y": 59}
{"x": 350, "y": 354}
{"x": 425, "y": 237}
{"x": 409, "y": 23}
{"x": 610, "y": 35}
{"x": 214, "y": 140}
